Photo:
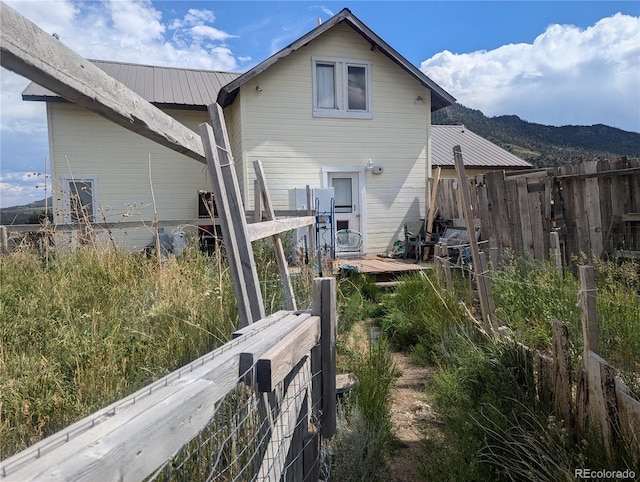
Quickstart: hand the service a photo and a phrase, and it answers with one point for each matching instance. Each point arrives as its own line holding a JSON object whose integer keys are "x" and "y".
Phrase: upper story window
{"x": 341, "y": 88}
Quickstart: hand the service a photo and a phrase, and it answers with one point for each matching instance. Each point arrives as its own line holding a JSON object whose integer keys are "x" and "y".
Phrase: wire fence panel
{"x": 207, "y": 421}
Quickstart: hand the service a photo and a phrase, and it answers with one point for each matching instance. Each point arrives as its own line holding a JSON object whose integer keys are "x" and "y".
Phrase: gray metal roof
{"x": 166, "y": 86}
{"x": 476, "y": 150}
{"x": 439, "y": 97}
{"x": 170, "y": 86}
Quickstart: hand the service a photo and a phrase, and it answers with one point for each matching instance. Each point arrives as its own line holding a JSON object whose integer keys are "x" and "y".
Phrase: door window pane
{"x": 325, "y": 86}
{"x": 357, "y": 88}
{"x": 343, "y": 194}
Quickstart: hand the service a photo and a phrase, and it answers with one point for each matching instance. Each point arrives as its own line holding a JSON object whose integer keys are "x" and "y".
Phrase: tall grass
{"x": 493, "y": 427}
{"x": 82, "y": 329}
{"x": 364, "y": 433}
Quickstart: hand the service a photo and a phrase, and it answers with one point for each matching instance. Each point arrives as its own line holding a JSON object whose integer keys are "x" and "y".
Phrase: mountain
{"x": 32, "y": 213}
{"x": 541, "y": 145}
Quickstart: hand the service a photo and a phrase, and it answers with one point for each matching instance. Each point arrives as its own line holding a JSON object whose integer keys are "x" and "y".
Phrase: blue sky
{"x": 550, "y": 62}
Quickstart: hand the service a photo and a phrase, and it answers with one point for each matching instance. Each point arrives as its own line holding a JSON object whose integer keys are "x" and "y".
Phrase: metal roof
{"x": 439, "y": 97}
{"x": 189, "y": 88}
{"x": 165, "y": 86}
{"x": 476, "y": 150}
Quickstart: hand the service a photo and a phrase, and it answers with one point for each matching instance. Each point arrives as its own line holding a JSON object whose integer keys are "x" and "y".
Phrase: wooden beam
{"x": 131, "y": 438}
{"x": 616, "y": 172}
{"x": 432, "y": 212}
{"x": 285, "y": 279}
{"x": 269, "y": 228}
{"x": 228, "y": 225}
{"x": 29, "y": 51}
{"x": 473, "y": 243}
{"x": 222, "y": 168}
{"x": 324, "y": 306}
{"x": 275, "y": 364}
{"x": 589, "y": 315}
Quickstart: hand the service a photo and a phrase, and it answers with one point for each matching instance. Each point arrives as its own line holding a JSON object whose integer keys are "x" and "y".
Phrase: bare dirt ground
{"x": 409, "y": 410}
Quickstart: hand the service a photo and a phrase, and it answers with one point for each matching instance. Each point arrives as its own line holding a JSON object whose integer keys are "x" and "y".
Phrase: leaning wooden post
{"x": 589, "y": 315}
{"x": 432, "y": 212}
{"x": 324, "y": 305}
{"x": 257, "y": 201}
{"x": 473, "y": 242}
{"x": 287, "y": 288}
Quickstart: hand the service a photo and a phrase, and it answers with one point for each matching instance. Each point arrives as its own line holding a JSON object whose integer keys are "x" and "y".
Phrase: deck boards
{"x": 375, "y": 265}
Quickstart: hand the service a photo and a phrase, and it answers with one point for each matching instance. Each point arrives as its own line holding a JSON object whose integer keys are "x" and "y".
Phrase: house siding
{"x": 294, "y": 146}
{"x": 88, "y": 145}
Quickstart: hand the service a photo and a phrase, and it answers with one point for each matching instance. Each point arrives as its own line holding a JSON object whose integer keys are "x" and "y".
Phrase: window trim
{"x": 341, "y": 79}
{"x": 66, "y": 188}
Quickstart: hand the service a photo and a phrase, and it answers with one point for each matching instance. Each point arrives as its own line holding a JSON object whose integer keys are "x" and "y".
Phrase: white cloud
{"x": 205, "y": 31}
{"x": 125, "y": 30}
{"x": 566, "y": 76}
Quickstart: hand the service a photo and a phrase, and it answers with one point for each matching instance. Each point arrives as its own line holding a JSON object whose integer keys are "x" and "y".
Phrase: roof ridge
{"x": 136, "y": 64}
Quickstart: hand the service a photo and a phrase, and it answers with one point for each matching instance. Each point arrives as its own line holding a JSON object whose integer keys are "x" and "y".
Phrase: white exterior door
{"x": 347, "y": 199}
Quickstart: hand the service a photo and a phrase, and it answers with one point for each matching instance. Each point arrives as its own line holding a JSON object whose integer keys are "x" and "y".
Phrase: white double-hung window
{"x": 341, "y": 88}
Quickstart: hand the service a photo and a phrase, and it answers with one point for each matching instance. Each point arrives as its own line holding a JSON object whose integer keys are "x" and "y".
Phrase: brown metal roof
{"x": 166, "y": 86}
{"x": 439, "y": 97}
{"x": 476, "y": 150}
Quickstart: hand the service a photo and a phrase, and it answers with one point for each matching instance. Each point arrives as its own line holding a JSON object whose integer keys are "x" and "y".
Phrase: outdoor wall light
{"x": 258, "y": 88}
{"x": 369, "y": 166}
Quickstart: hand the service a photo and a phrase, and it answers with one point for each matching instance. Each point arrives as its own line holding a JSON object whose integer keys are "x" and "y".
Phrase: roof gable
{"x": 477, "y": 151}
{"x": 439, "y": 97}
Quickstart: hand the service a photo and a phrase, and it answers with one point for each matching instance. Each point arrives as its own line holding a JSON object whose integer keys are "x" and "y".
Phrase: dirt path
{"x": 408, "y": 410}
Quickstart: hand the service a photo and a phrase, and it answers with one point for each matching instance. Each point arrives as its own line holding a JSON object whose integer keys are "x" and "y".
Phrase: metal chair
{"x": 415, "y": 239}
{"x": 348, "y": 241}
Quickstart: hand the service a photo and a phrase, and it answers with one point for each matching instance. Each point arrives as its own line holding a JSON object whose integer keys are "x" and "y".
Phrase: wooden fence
{"x": 598, "y": 401}
{"x": 254, "y": 409}
{"x": 594, "y": 207}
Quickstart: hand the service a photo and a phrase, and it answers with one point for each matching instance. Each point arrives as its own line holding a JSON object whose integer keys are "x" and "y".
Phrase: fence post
{"x": 324, "y": 306}
{"x": 4, "y": 240}
{"x": 467, "y": 208}
{"x": 589, "y": 315}
{"x": 554, "y": 251}
{"x": 563, "y": 402}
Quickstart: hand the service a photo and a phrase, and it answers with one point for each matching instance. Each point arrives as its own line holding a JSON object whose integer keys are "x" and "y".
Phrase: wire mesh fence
{"x": 257, "y": 408}
{"x": 250, "y": 436}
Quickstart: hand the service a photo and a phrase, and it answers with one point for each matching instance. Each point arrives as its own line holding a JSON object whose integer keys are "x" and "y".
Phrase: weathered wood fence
{"x": 254, "y": 409}
{"x": 594, "y": 207}
{"x": 598, "y": 400}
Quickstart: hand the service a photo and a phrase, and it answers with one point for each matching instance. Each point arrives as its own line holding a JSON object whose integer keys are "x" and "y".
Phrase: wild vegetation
{"x": 82, "y": 329}
{"x": 493, "y": 428}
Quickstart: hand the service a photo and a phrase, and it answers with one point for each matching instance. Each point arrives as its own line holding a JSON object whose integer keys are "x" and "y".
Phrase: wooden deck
{"x": 381, "y": 267}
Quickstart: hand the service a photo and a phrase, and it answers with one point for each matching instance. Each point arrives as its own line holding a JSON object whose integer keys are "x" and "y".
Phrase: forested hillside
{"x": 544, "y": 146}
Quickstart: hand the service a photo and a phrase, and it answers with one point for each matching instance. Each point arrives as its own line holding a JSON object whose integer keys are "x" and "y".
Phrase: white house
{"x": 337, "y": 108}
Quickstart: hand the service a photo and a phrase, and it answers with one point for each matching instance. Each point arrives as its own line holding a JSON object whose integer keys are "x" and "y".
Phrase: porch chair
{"x": 348, "y": 241}
{"x": 415, "y": 239}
